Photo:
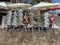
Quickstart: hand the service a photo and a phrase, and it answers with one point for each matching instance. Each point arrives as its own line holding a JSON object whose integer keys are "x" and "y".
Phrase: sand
{"x": 16, "y": 37}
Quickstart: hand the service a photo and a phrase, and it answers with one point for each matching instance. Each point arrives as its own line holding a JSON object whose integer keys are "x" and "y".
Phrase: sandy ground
{"x": 16, "y": 37}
